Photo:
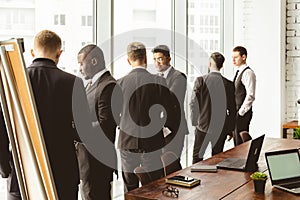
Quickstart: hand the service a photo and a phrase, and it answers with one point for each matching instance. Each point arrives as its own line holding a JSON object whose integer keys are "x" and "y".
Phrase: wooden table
{"x": 246, "y": 192}
{"x": 292, "y": 124}
{"x": 225, "y": 184}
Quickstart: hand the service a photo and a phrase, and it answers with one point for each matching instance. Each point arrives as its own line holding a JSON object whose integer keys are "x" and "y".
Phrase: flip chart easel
{"x": 23, "y": 125}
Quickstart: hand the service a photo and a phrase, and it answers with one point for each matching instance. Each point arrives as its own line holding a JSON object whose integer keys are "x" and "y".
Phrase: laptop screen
{"x": 284, "y": 166}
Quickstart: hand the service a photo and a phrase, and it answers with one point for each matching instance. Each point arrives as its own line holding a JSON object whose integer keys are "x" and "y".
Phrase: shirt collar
{"x": 98, "y": 75}
{"x": 166, "y": 72}
{"x": 242, "y": 67}
{"x": 213, "y": 70}
{"x": 139, "y": 67}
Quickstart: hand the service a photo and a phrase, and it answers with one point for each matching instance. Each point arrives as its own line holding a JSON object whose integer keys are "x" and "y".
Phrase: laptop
{"x": 241, "y": 164}
{"x": 284, "y": 169}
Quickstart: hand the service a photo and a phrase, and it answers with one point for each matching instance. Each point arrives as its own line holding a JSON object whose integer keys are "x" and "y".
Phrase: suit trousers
{"x": 242, "y": 124}
{"x": 175, "y": 143}
{"x": 13, "y": 191}
{"x": 131, "y": 159}
{"x": 95, "y": 178}
{"x": 202, "y": 140}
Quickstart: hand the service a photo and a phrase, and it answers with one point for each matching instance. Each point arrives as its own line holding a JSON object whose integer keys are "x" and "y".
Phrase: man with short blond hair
{"x": 53, "y": 91}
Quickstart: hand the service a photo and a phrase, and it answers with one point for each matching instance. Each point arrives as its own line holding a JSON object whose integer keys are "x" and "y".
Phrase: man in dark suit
{"x": 105, "y": 102}
{"x": 7, "y": 169}
{"x": 176, "y": 82}
{"x": 60, "y": 99}
{"x": 141, "y": 138}
{"x": 213, "y": 109}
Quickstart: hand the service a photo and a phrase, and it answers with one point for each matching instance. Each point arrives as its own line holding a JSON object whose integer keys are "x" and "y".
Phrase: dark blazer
{"x": 213, "y": 105}
{"x": 54, "y": 90}
{"x": 140, "y": 127}
{"x": 108, "y": 104}
{"x": 105, "y": 103}
{"x": 176, "y": 82}
{"x": 106, "y": 100}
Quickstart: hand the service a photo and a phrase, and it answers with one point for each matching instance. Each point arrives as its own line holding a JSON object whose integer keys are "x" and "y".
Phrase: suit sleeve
{"x": 194, "y": 104}
{"x": 4, "y": 148}
{"x": 231, "y": 107}
{"x": 109, "y": 105}
{"x": 179, "y": 87}
{"x": 172, "y": 107}
{"x": 81, "y": 116}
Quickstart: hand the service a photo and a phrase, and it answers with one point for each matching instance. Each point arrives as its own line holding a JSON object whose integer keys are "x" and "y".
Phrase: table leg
{"x": 284, "y": 133}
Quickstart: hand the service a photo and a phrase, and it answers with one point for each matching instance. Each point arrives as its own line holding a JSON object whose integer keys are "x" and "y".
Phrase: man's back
{"x": 212, "y": 109}
{"x": 53, "y": 91}
{"x": 211, "y": 94}
{"x": 231, "y": 105}
{"x": 141, "y": 90}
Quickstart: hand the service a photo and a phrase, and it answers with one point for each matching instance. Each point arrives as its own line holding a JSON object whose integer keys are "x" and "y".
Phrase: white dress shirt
{"x": 166, "y": 72}
{"x": 98, "y": 75}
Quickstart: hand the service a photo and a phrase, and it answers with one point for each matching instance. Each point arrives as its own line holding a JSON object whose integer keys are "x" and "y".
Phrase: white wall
{"x": 258, "y": 26}
{"x": 292, "y": 77}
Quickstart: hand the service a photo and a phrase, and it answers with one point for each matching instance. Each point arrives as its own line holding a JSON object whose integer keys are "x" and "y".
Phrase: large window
{"x": 204, "y": 32}
{"x": 146, "y": 21}
{"x": 72, "y": 20}
{"x": 156, "y": 22}
{"x": 204, "y": 37}
{"x": 74, "y": 24}
{"x": 191, "y": 28}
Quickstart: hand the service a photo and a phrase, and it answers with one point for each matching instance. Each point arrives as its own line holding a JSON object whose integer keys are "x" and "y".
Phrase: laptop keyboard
{"x": 292, "y": 185}
{"x": 238, "y": 163}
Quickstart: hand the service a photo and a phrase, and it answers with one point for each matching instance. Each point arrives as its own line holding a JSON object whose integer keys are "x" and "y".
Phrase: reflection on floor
{"x": 2, "y": 188}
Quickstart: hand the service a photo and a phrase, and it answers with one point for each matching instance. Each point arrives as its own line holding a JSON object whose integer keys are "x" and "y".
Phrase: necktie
{"x": 236, "y": 74}
{"x": 88, "y": 85}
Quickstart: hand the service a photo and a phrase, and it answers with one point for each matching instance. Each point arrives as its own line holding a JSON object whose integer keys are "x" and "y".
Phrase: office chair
{"x": 245, "y": 136}
{"x": 170, "y": 162}
{"x": 143, "y": 176}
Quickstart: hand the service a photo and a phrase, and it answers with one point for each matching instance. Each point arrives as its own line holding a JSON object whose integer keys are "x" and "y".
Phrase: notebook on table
{"x": 284, "y": 169}
{"x": 249, "y": 164}
{"x": 183, "y": 181}
{"x": 204, "y": 168}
